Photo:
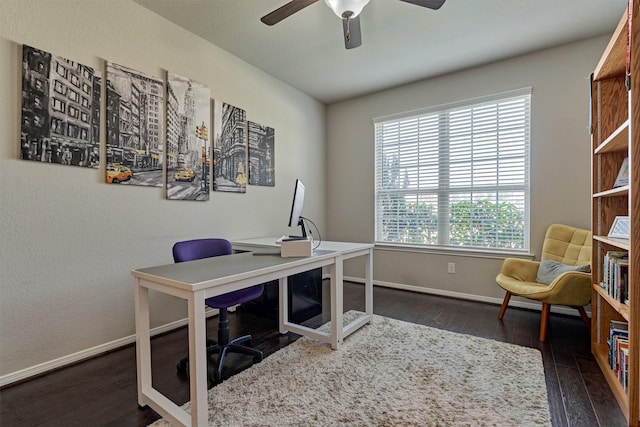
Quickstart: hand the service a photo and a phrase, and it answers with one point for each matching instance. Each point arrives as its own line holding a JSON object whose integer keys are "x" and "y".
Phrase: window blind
{"x": 456, "y": 175}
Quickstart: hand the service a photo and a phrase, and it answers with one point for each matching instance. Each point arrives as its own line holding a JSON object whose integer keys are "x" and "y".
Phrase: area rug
{"x": 389, "y": 373}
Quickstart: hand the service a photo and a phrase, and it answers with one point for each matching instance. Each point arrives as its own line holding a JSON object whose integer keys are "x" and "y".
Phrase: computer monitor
{"x": 295, "y": 218}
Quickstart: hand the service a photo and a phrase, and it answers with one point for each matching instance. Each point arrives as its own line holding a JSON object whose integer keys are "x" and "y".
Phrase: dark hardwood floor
{"x": 102, "y": 391}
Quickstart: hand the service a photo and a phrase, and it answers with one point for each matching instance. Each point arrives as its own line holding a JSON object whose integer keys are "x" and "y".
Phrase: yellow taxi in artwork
{"x": 184, "y": 174}
{"x": 117, "y": 173}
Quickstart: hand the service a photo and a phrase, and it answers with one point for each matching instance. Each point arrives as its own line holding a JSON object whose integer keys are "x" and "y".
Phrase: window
{"x": 73, "y": 95}
{"x": 59, "y": 87}
{"x": 73, "y": 112}
{"x": 456, "y": 176}
{"x": 57, "y": 105}
{"x": 61, "y": 70}
{"x": 57, "y": 126}
{"x": 72, "y": 130}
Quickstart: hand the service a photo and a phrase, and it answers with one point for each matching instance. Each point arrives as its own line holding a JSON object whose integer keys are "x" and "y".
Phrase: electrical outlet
{"x": 451, "y": 267}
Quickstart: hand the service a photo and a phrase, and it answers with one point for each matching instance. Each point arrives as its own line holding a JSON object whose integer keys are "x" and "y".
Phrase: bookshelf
{"x": 615, "y": 135}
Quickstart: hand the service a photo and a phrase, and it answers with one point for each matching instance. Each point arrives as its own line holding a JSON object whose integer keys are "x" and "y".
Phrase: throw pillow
{"x": 550, "y": 269}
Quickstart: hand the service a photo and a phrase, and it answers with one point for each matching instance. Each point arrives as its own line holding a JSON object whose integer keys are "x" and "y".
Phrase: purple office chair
{"x": 190, "y": 250}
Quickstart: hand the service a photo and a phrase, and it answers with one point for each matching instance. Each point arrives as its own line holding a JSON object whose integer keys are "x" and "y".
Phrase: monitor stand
{"x": 304, "y": 231}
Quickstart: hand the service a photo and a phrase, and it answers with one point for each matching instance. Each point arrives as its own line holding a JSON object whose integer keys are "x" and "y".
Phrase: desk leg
{"x": 143, "y": 342}
{"x": 337, "y": 303}
{"x": 368, "y": 282}
{"x": 283, "y": 306}
{"x": 198, "y": 359}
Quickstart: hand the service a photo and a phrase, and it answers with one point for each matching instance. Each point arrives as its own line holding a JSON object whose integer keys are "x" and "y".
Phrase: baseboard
{"x": 61, "y": 362}
{"x": 471, "y": 297}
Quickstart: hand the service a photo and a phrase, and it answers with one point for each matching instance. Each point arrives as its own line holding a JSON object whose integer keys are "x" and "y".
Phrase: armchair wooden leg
{"x": 544, "y": 321}
{"x": 585, "y": 318}
{"x": 505, "y": 303}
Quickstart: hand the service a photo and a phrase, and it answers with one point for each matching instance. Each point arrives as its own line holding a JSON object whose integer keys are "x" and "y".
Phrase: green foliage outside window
{"x": 481, "y": 223}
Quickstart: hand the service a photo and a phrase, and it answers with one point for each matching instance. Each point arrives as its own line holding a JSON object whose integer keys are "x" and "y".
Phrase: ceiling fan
{"x": 347, "y": 10}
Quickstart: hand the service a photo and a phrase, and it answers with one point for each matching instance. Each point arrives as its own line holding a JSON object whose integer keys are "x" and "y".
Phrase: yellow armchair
{"x": 564, "y": 244}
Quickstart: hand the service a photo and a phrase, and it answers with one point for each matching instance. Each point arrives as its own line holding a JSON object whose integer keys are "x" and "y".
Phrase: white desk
{"x": 195, "y": 281}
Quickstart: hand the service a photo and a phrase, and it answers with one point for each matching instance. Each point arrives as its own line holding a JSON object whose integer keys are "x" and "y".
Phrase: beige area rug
{"x": 389, "y": 373}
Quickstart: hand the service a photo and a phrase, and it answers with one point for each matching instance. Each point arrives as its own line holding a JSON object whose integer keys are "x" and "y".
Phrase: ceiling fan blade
{"x": 351, "y": 30}
{"x": 285, "y": 11}
{"x": 431, "y": 4}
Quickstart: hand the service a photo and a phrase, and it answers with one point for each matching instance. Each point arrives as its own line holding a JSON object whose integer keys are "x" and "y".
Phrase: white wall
{"x": 68, "y": 240}
{"x": 560, "y": 160}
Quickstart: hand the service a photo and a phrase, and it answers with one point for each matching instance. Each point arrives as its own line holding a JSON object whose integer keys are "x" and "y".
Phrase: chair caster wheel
{"x": 257, "y": 359}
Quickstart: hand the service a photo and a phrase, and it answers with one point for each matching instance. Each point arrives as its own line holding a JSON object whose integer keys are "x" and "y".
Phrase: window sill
{"x": 465, "y": 252}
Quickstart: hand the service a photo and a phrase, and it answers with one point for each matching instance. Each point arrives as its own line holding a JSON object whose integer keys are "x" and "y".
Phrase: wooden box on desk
{"x": 295, "y": 248}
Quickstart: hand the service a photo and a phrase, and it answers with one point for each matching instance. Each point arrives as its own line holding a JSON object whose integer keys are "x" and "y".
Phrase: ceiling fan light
{"x": 339, "y": 7}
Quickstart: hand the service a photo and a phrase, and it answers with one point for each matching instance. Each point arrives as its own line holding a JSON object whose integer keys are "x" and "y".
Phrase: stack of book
{"x": 615, "y": 277}
{"x": 619, "y": 350}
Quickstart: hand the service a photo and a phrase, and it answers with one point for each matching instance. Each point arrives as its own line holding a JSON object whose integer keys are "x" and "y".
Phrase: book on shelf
{"x": 621, "y": 362}
{"x": 625, "y": 372}
{"x": 618, "y": 349}
{"x": 615, "y": 273}
{"x": 622, "y": 293}
{"x": 623, "y": 175}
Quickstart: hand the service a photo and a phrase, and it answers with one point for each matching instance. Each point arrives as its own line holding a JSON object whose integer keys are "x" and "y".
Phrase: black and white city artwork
{"x": 188, "y": 147}
{"x": 229, "y": 148}
{"x": 135, "y": 104}
{"x": 261, "y": 155}
{"x": 60, "y": 110}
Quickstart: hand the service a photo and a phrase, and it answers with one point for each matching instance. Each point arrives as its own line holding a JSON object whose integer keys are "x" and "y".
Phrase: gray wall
{"x": 560, "y": 162}
{"x": 69, "y": 240}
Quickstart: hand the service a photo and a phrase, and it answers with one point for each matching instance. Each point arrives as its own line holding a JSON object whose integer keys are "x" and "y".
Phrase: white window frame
{"x": 426, "y": 174}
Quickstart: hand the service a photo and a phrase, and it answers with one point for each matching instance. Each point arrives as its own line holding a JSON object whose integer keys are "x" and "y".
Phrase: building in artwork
{"x": 192, "y": 144}
{"x": 134, "y": 115}
{"x": 72, "y": 133}
{"x": 60, "y": 110}
{"x": 261, "y": 155}
{"x": 151, "y": 104}
{"x": 232, "y": 143}
{"x": 95, "y": 111}
{"x": 173, "y": 128}
{"x": 35, "y": 103}
{"x": 114, "y": 152}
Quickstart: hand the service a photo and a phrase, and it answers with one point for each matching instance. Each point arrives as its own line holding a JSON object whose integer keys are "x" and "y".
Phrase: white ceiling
{"x": 401, "y": 42}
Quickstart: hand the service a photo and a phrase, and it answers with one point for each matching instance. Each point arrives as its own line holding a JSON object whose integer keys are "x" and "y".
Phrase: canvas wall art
{"x": 188, "y": 148}
{"x": 60, "y": 110}
{"x": 229, "y": 148}
{"x": 135, "y": 104}
{"x": 261, "y": 155}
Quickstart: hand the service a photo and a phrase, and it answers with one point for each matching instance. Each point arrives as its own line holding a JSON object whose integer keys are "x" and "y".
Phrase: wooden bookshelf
{"x": 615, "y": 134}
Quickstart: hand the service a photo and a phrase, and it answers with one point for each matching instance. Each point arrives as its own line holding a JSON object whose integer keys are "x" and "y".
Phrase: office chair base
{"x": 241, "y": 345}
{"x": 183, "y": 364}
